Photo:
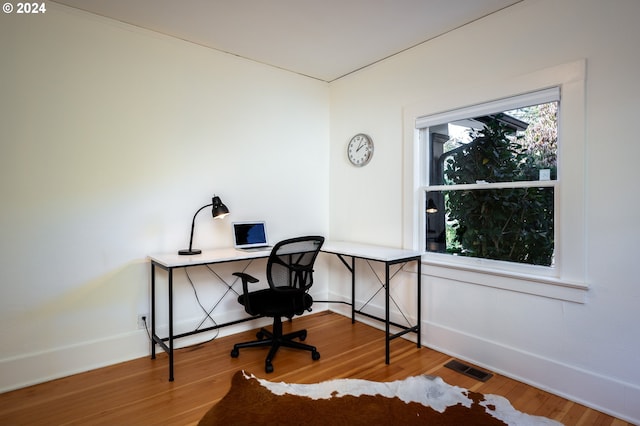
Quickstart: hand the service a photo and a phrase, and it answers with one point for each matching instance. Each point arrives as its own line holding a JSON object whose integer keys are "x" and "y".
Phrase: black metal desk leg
{"x": 353, "y": 290}
{"x": 153, "y": 310}
{"x": 419, "y": 282}
{"x": 386, "y": 311}
{"x": 170, "y": 271}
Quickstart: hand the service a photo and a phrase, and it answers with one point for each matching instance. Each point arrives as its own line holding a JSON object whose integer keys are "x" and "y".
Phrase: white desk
{"x": 175, "y": 260}
{"x": 171, "y": 261}
{"x": 388, "y": 256}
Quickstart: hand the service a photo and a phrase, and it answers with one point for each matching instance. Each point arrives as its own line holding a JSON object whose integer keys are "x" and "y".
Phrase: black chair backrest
{"x": 290, "y": 264}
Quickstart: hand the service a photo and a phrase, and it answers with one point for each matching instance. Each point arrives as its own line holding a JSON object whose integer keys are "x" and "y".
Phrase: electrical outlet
{"x": 142, "y": 320}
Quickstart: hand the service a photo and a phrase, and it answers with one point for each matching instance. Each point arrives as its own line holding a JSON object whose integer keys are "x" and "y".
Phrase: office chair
{"x": 290, "y": 275}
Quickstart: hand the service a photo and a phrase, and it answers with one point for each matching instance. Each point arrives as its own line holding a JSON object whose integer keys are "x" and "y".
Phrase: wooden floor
{"x": 138, "y": 392}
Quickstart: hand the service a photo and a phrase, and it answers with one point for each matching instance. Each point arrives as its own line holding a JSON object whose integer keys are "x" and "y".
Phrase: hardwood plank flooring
{"x": 138, "y": 392}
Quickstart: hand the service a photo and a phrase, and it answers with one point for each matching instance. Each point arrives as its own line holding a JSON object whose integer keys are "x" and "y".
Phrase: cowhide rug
{"x": 420, "y": 400}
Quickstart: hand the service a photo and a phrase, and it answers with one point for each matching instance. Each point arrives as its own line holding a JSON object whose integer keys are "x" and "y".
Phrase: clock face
{"x": 360, "y": 149}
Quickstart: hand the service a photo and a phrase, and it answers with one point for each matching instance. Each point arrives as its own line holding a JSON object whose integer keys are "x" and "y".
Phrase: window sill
{"x": 550, "y": 287}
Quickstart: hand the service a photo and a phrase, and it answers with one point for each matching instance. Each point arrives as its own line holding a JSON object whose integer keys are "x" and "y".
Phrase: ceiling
{"x": 322, "y": 39}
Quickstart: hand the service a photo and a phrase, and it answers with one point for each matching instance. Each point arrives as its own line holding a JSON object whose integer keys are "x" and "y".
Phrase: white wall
{"x": 111, "y": 138}
{"x": 585, "y": 351}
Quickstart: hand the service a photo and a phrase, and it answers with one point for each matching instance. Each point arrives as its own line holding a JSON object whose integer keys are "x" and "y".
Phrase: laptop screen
{"x": 249, "y": 234}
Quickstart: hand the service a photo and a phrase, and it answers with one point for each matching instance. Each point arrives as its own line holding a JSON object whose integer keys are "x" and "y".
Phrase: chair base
{"x": 276, "y": 340}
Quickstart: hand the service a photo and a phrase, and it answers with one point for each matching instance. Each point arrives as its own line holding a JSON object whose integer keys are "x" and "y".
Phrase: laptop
{"x": 250, "y": 236}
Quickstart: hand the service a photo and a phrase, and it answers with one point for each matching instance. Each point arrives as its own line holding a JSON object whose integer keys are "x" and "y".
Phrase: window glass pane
{"x": 512, "y": 224}
{"x": 515, "y": 145}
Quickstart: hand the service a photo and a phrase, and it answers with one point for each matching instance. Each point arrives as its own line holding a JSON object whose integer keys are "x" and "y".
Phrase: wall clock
{"x": 360, "y": 150}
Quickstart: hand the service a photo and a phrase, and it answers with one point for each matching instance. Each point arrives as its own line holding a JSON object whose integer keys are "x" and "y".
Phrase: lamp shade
{"x": 218, "y": 211}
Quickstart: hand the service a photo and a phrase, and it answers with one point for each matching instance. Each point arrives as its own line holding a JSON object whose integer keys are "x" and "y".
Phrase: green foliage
{"x": 514, "y": 224}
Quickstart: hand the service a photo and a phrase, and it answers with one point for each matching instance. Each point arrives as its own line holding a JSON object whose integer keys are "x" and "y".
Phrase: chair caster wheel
{"x": 303, "y": 336}
{"x": 315, "y": 355}
{"x": 268, "y": 368}
{"x": 260, "y": 335}
{"x": 235, "y": 353}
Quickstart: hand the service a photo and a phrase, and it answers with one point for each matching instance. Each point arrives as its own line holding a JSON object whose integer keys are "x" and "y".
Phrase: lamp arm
{"x": 193, "y": 224}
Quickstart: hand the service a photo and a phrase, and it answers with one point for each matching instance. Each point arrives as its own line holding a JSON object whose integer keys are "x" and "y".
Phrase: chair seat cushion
{"x": 270, "y": 303}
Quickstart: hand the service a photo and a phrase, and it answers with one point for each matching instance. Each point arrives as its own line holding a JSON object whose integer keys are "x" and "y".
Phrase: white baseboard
{"x": 605, "y": 394}
{"x": 34, "y": 368}
{"x": 40, "y": 367}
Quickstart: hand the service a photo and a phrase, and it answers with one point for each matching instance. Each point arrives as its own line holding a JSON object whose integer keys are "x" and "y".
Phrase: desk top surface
{"x": 346, "y": 248}
{"x": 367, "y": 251}
{"x": 228, "y": 254}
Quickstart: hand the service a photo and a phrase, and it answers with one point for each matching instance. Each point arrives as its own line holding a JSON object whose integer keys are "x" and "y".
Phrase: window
{"x": 491, "y": 178}
{"x": 431, "y": 182}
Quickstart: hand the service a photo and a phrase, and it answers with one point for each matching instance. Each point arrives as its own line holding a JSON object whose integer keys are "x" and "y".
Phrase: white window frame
{"x": 498, "y": 106}
{"x": 567, "y": 279}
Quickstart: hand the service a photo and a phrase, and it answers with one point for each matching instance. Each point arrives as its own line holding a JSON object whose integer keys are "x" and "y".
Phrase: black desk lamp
{"x": 218, "y": 211}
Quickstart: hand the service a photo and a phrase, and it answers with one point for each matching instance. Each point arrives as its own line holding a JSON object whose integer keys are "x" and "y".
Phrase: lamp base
{"x": 189, "y": 251}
